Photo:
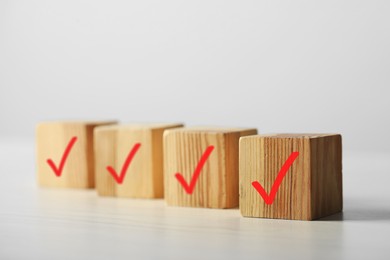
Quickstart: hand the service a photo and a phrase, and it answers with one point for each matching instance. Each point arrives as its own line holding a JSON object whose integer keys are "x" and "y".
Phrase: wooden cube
{"x": 201, "y": 166}
{"x": 129, "y": 160}
{"x": 65, "y": 154}
{"x": 309, "y": 171}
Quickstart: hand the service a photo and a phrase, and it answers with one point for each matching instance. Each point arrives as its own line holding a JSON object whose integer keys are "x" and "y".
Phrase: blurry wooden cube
{"x": 216, "y": 183}
{"x": 129, "y": 160}
{"x": 65, "y": 153}
{"x": 312, "y": 185}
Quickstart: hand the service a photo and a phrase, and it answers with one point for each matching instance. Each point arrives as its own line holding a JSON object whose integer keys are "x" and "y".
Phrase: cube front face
{"x": 74, "y": 169}
{"x": 311, "y": 187}
{"x": 216, "y": 185}
{"x": 143, "y": 176}
{"x": 112, "y": 149}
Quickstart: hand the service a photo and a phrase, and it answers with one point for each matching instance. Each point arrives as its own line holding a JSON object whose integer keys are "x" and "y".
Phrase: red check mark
{"x": 269, "y": 199}
{"x": 58, "y": 171}
{"x": 119, "y": 179}
{"x": 190, "y": 188}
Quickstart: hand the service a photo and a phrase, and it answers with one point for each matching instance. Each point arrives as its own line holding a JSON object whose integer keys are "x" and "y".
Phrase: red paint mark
{"x": 269, "y": 199}
{"x": 58, "y": 171}
{"x": 190, "y": 188}
{"x": 130, "y": 156}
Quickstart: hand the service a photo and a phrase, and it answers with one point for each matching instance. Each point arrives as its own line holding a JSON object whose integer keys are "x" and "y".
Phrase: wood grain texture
{"x": 51, "y": 141}
{"x": 217, "y": 185}
{"x": 64, "y": 224}
{"x": 312, "y": 187}
{"x": 144, "y": 177}
{"x": 326, "y": 168}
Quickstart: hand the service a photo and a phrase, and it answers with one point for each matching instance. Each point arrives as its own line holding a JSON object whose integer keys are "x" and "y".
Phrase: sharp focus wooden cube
{"x": 217, "y": 183}
{"x": 312, "y": 186}
{"x": 141, "y": 145}
{"x": 56, "y": 167}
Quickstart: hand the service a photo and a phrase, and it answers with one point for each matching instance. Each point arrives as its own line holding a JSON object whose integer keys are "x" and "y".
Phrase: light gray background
{"x": 281, "y": 66}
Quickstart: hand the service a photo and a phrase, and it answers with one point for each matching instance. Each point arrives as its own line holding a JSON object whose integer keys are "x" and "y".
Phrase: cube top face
{"x": 216, "y": 185}
{"x": 75, "y": 123}
{"x": 139, "y": 126}
{"x": 74, "y": 169}
{"x": 312, "y": 185}
{"x": 143, "y": 177}
{"x": 295, "y": 135}
{"x": 214, "y": 130}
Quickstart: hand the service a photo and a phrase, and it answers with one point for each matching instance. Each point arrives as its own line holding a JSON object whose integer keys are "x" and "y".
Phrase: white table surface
{"x": 38, "y": 223}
